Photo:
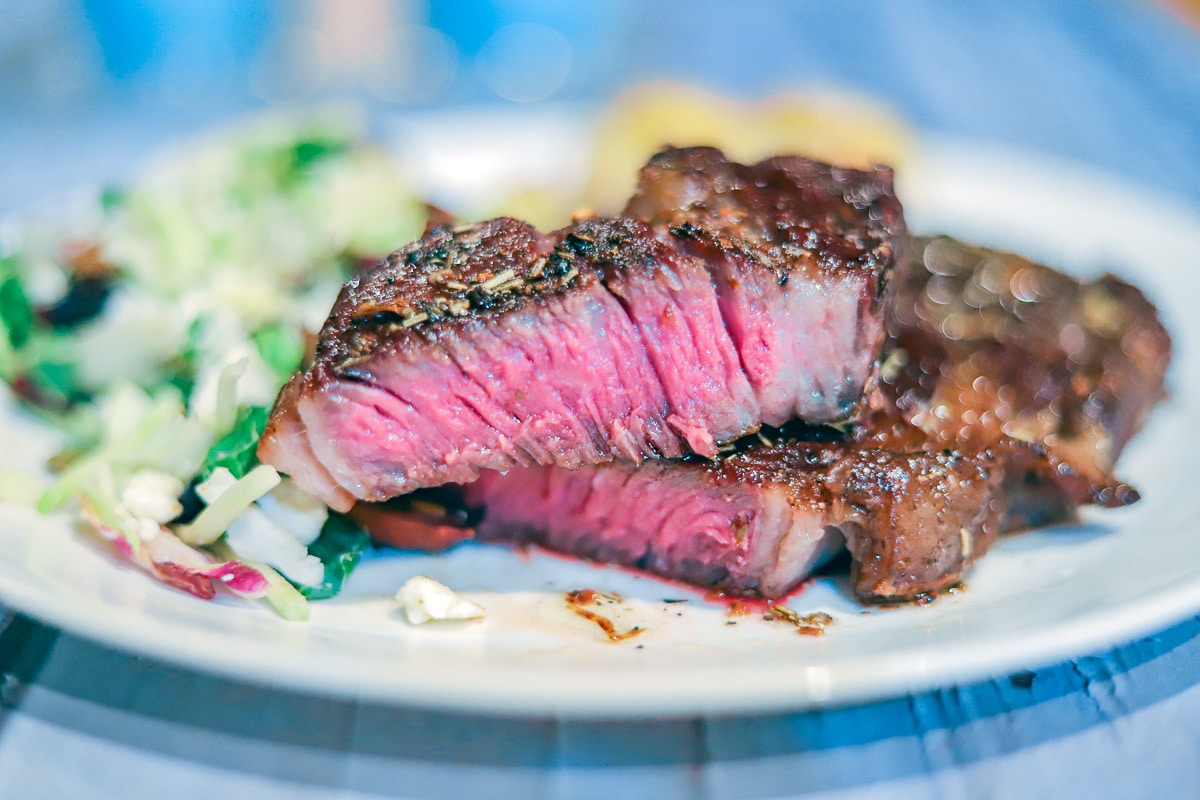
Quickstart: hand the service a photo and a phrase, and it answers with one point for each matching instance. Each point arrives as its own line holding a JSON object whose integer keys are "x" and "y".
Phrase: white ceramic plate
{"x": 1037, "y": 599}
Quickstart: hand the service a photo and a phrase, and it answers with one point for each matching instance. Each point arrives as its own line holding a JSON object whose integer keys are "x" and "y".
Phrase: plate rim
{"x": 610, "y": 696}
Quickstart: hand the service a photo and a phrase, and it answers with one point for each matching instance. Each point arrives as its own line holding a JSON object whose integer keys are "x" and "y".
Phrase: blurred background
{"x": 88, "y": 86}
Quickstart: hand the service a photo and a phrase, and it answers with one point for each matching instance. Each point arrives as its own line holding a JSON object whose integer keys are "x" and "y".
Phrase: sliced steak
{"x": 987, "y": 345}
{"x": 494, "y": 346}
{"x": 1009, "y": 392}
{"x": 807, "y": 327}
{"x": 758, "y": 521}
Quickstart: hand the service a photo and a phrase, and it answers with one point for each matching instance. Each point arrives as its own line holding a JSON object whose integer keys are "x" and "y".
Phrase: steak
{"x": 805, "y": 327}
{"x": 756, "y": 522}
{"x": 1008, "y": 393}
{"x": 987, "y": 345}
{"x": 494, "y": 346}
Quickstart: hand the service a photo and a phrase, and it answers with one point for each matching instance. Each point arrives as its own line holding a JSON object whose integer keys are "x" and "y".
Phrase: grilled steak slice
{"x": 1009, "y": 392}
{"x": 987, "y": 345}
{"x": 494, "y": 346}
{"x": 757, "y": 522}
{"x": 806, "y": 328}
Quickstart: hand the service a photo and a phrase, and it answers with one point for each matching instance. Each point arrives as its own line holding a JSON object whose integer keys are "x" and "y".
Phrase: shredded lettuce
{"x": 281, "y": 348}
{"x": 99, "y": 495}
{"x": 215, "y": 519}
{"x": 56, "y": 381}
{"x": 339, "y": 547}
{"x": 308, "y": 152}
{"x": 235, "y": 450}
{"x": 289, "y": 603}
{"x": 69, "y": 486}
{"x": 16, "y": 313}
{"x": 136, "y": 431}
{"x": 226, "y": 411}
{"x": 209, "y": 276}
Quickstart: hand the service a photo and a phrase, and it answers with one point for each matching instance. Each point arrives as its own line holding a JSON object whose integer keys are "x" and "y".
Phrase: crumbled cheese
{"x": 276, "y": 531}
{"x": 147, "y": 529}
{"x": 256, "y": 537}
{"x": 153, "y": 495}
{"x": 215, "y": 485}
{"x": 297, "y": 512}
{"x": 425, "y": 600}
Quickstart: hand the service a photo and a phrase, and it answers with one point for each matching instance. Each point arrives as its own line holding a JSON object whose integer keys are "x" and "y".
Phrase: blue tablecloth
{"x": 80, "y": 720}
{"x": 1112, "y": 84}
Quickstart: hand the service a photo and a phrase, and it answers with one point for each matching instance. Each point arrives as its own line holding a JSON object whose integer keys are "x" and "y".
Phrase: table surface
{"x": 1112, "y": 85}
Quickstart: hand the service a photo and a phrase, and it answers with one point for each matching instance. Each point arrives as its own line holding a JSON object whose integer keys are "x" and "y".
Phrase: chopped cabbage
{"x": 157, "y": 333}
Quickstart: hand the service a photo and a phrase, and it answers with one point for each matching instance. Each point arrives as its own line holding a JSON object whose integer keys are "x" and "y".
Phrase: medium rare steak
{"x": 1009, "y": 392}
{"x": 492, "y": 346}
{"x": 804, "y": 328}
{"x": 757, "y": 522}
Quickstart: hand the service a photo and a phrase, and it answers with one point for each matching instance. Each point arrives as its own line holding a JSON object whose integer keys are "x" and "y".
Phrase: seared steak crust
{"x": 493, "y": 345}
{"x": 461, "y": 274}
{"x": 797, "y": 215}
{"x": 1009, "y": 391}
{"x": 729, "y": 297}
{"x": 828, "y": 237}
{"x": 756, "y": 522}
{"x": 987, "y": 346}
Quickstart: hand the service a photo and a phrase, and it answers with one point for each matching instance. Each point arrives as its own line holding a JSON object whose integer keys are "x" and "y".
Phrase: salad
{"x": 156, "y": 334}
{"x": 156, "y": 331}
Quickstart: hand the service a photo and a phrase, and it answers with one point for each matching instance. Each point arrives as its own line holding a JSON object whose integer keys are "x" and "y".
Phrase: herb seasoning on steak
{"x": 589, "y": 386}
{"x": 492, "y": 346}
{"x": 1009, "y": 392}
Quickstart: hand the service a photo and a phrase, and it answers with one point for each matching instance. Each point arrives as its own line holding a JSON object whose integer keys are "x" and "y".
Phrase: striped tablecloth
{"x": 1114, "y": 85}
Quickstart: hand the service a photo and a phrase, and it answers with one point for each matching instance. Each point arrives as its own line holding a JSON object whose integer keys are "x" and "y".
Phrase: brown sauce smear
{"x": 738, "y": 608}
{"x": 813, "y": 624}
{"x": 578, "y": 601}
